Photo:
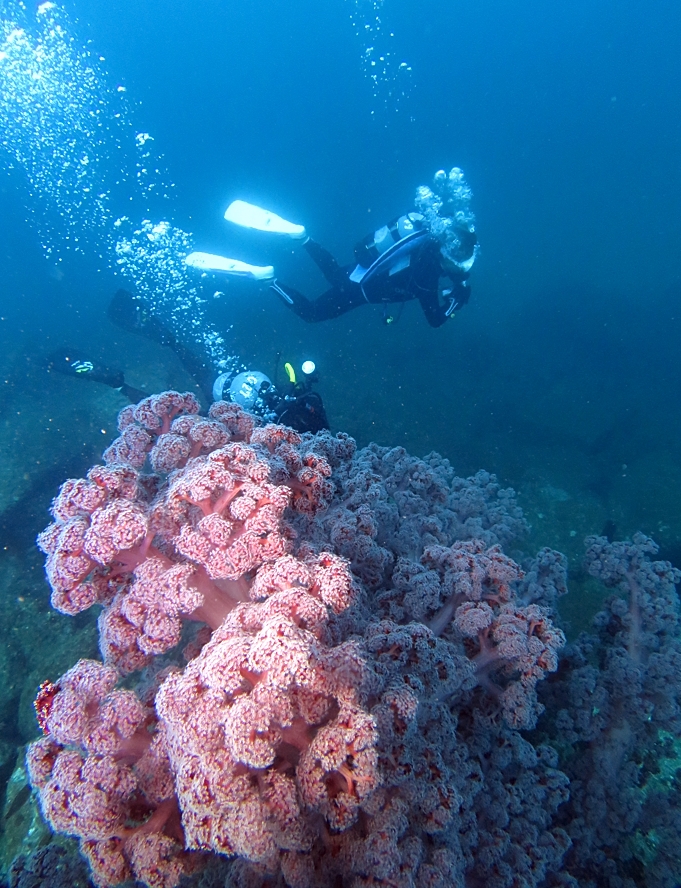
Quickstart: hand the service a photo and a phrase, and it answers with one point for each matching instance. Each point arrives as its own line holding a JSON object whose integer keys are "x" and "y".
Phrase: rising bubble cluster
{"x": 446, "y": 208}
{"x": 151, "y": 255}
{"x": 70, "y": 131}
{"x": 389, "y": 74}
{"x": 88, "y": 170}
{"x": 59, "y": 127}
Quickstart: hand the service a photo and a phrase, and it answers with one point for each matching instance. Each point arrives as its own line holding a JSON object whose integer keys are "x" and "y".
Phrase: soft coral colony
{"x": 316, "y": 661}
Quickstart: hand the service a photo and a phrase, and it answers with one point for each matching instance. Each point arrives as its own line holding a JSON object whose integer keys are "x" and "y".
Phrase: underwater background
{"x": 562, "y": 374}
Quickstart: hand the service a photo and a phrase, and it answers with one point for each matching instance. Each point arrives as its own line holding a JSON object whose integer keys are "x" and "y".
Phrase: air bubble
{"x": 70, "y": 130}
{"x": 390, "y": 79}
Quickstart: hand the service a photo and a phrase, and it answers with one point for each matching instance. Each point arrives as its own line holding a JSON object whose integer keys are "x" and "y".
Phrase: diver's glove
{"x": 458, "y": 296}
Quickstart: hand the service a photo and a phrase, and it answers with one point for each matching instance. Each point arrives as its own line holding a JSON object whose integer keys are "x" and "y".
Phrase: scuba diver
{"x": 425, "y": 255}
{"x": 293, "y": 403}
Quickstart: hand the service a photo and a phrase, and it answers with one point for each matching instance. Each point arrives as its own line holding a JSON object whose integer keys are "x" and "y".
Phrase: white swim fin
{"x": 211, "y": 262}
{"x": 249, "y": 216}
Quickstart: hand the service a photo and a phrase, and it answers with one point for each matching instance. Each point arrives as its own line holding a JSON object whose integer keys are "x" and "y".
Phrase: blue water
{"x": 561, "y": 372}
{"x": 561, "y": 375}
{"x": 566, "y": 123}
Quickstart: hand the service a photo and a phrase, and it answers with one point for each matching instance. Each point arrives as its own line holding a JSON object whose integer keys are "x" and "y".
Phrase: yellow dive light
{"x": 290, "y": 372}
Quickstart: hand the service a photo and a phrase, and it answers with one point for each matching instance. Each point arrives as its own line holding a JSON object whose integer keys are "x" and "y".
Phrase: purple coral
{"x": 615, "y": 706}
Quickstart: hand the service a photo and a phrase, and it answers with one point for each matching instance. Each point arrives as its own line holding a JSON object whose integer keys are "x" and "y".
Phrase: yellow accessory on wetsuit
{"x": 290, "y": 372}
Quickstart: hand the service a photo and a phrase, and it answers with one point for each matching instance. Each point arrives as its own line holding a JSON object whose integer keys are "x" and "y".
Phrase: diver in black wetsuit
{"x": 420, "y": 279}
{"x": 425, "y": 255}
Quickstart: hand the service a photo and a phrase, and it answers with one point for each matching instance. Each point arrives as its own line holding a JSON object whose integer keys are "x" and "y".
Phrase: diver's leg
{"x": 325, "y": 262}
{"x": 331, "y": 304}
{"x": 295, "y": 301}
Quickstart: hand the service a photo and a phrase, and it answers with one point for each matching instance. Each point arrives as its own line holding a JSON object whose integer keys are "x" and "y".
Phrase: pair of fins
{"x": 247, "y": 215}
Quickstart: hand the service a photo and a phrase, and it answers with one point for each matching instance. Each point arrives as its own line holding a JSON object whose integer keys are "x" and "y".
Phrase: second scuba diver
{"x": 292, "y": 402}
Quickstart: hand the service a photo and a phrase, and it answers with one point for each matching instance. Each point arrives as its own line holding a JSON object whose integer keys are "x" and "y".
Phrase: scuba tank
{"x": 389, "y": 248}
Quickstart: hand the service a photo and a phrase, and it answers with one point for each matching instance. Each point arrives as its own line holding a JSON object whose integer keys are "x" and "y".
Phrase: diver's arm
{"x": 426, "y": 272}
{"x": 455, "y": 298}
{"x": 436, "y": 314}
{"x": 426, "y": 281}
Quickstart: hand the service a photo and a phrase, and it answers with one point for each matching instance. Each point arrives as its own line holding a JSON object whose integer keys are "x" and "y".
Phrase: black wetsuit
{"x": 420, "y": 280}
